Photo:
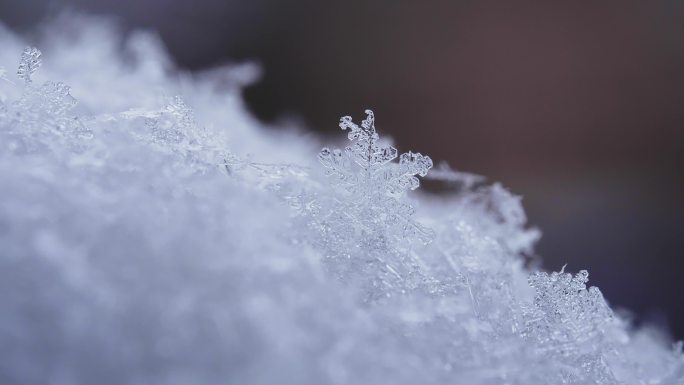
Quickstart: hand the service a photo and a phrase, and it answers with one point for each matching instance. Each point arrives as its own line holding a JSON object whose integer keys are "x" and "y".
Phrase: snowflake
{"x": 376, "y": 185}
{"x": 365, "y": 167}
{"x": 564, "y": 304}
{"x": 30, "y": 61}
{"x": 46, "y": 109}
{"x": 364, "y": 223}
{"x": 570, "y": 322}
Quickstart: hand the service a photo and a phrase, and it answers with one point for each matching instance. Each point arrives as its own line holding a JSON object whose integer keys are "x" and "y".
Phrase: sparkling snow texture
{"x": 149, "y": 238}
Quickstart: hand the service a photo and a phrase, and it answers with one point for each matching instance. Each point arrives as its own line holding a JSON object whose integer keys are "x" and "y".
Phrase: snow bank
{"x": 153, "y": 232}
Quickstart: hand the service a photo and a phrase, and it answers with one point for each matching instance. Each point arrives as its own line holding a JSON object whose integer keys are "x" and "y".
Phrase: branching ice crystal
{"x": 366, "y": 171}
{"x": 46, "y": 109}
{"x": 570, "y": 321}
{"x": 172, "y": 128}
{"x": 365, "y": 225}
{"x": 563, "y": 303}
{"x": 29, "y": 63}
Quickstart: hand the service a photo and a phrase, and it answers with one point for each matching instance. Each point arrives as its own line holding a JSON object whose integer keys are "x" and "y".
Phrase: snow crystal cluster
{"x": 153, "y": 232}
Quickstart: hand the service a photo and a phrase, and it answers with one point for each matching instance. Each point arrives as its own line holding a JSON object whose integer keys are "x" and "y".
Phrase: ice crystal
{"x": 365, "y": 169}
{"x": 47, "y": 108}
{"x": 570, "y": 320}
{"x": 30, "y": 62}
{"x": 368, "y": 224}
{"x": 376, "y": 186}
{"x": 173, "y": 124}
{"x": 567, "y": 315}
{"x": 172, "y": 127}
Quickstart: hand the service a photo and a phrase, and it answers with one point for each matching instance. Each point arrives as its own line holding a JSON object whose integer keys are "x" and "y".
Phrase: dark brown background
{"x": 578, "y": 106}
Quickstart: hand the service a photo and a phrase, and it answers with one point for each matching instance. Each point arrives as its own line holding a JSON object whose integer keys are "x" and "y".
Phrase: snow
{"x": 153, "y": 232}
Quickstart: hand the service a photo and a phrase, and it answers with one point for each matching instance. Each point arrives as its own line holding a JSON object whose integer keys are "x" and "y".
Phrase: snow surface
{"x": 153, "y": 232}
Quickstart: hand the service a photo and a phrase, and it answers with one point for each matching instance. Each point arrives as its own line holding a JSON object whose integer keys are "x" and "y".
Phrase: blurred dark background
{"x": 577, "y": 106}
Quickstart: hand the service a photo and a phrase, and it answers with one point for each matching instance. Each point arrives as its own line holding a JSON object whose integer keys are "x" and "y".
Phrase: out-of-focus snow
{"x": 153, "y": 232}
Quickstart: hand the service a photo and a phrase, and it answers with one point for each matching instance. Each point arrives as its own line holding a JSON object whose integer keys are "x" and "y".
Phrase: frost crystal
{"x": 172, "y": 128}
{"x": 365, "y": 167}
{"x": 570, "y": 321}
{"x": 29, "y": 63}
{"x": 46, "y": 108}
{"x": 375, "y": 184}
{"x": 566, "y": 308}
{"x": 367, "y": 226}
